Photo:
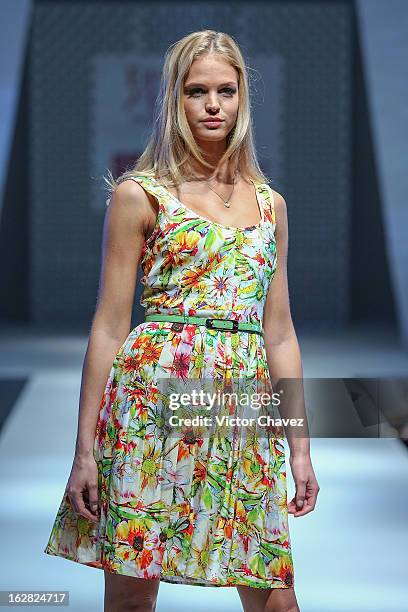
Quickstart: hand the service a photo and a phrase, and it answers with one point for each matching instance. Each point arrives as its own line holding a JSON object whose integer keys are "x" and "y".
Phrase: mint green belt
{"x": 210, "y": 323}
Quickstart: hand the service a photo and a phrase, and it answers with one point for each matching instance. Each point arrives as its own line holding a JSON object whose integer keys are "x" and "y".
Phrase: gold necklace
{"x": 225, "y": 202}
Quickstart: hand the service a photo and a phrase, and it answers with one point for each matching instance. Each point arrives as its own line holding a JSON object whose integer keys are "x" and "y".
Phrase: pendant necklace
{"x": 225, "y": 202}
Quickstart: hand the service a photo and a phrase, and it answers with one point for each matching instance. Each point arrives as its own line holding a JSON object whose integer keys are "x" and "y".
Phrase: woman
{"x": 210, "y": 234}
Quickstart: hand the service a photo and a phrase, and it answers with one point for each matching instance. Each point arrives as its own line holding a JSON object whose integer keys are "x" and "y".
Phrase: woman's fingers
{"x": 309, "y": 500}
{"x": 93, "y": 499}
{"x": 306, "y": 485}
{"x": 293, "y": 509}
{"x": 82, "y": 488}
{"x": 79, "y": 502}
{"x": 300, "y": 495}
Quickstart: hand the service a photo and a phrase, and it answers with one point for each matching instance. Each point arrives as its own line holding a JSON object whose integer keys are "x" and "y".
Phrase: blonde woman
{"x": 190, "y": 506}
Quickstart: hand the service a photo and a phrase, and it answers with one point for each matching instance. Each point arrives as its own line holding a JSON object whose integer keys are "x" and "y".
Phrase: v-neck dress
{"x": 208, "y": 509}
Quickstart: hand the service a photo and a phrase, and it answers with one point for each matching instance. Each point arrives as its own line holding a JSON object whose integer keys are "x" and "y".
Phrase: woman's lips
{"x": 212, "y": 123}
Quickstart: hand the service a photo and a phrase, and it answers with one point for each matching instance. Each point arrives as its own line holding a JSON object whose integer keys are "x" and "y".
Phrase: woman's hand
{"x": 82, "y": 487}
{"x": 306, "y": 484}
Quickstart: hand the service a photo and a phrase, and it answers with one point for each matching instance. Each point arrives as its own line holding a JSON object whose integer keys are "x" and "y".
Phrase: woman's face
{"x": 211, "y": 90}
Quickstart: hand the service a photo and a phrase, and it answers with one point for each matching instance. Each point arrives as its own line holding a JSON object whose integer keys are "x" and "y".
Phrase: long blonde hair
{"x": 172, "y": 143}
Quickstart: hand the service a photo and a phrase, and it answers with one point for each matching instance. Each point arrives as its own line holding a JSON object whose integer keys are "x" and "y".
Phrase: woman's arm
{"x": 285, "y": 367}
{"x": 126, "y": 220}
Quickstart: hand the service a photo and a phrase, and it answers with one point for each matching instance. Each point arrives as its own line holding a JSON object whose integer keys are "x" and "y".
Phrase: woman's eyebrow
{"x": 204, "y": 85}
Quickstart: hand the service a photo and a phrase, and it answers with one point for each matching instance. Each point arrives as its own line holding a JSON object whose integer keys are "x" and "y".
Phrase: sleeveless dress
{"x": 209, "y": 511}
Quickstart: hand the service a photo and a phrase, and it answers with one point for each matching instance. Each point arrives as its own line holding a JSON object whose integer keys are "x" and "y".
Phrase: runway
{"x": 350, "y": 554}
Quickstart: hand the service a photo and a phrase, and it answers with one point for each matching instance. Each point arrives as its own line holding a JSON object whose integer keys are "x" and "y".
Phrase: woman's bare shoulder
{"x": 130, "y": 191}
{"x": 278, "y": 198}
{"x": 130, "y": 206}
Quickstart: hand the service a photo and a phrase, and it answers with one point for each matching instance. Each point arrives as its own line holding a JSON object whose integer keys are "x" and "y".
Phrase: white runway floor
{"x": 350, "y": 554}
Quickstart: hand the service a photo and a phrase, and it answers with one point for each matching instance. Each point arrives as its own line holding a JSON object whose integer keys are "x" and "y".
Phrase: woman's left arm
{"x": 285, "y": 367}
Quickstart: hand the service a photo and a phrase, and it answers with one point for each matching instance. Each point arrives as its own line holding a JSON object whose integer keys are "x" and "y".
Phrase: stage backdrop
{"x": 93, "y": 78}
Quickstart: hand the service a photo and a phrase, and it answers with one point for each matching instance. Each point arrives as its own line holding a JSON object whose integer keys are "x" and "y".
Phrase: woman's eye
{"x": 192, "y": 93}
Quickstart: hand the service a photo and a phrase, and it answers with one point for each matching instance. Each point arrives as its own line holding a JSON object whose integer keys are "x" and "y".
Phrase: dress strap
{"x": 148, "y": 184}
{"x": 269, "y": 203}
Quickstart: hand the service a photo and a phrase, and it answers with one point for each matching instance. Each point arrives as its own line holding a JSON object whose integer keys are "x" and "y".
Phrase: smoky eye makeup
{"x": 193, "y": 91}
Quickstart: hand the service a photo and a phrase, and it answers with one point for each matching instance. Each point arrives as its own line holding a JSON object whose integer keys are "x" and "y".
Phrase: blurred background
{"x": 78, "y": 82}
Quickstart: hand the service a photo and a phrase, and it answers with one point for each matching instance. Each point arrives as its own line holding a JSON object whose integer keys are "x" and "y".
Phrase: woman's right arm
{"x": 126, "y": 221}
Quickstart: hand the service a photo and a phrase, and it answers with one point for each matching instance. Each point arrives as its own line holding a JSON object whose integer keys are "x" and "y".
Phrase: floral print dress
{"x": 209, "y": 510}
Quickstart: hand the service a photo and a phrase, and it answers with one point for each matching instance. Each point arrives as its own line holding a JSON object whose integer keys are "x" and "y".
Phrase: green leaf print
{"x": 239, "y": 240}
{"x": 207, "y": 498}
{"x": 139, "y": 431}
{"x": 109, "y": 550}
{"x": 113, "y": 514}
{"x": 126, "y": 515}
{"x": 243, "y": 266}
{"x": 255, "y": 467}
{"x": 110, "y": 530}
{"x": 158, "y": 506}
{"x": 186, "y": 546}
{"x": 111, "y": 431}
{"x": 228, "y": 245}
{"x": 165, "y": 276}
{"x": 257, "y": 565}
{"x": 198, "y": 225}
{"x": 105, "y": 465}
{"x": 220, "y": 468}
{"x": 261, "y": 514}
{"x": 253, "y": 515}
{"x": 194, "y": 487}
{"x": 217, "y": 483}
{"x": 253, "y": 497}
{"x": 177, "y": 216}
{"x": 218, "y": 542}
{"x": 261, "y": 567}
{"x": 83, "y": 525}
{"x": 224, "y": 443}
{"x": 210, "y": 239}
{"x": 271, "y": 550}
{"x": 280, "y": 462}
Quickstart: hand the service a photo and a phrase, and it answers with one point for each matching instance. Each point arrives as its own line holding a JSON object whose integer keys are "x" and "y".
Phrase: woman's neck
{"x": 220, "y": 174}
